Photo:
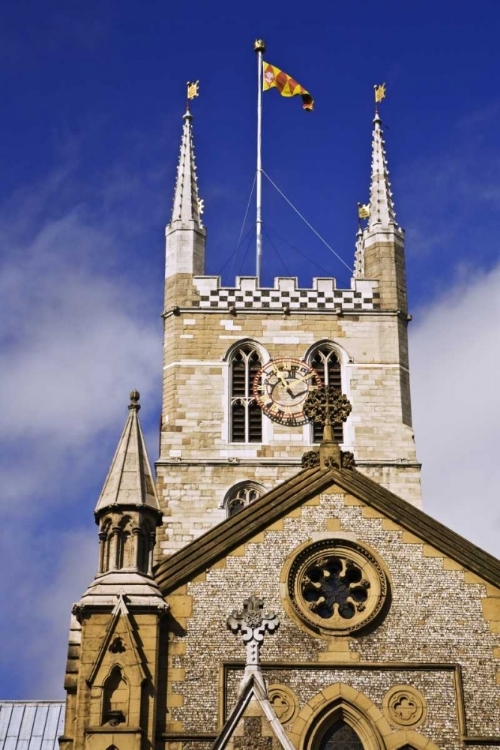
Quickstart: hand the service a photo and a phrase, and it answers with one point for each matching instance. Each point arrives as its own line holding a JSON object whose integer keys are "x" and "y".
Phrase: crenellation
{"x": 323, "y": 295}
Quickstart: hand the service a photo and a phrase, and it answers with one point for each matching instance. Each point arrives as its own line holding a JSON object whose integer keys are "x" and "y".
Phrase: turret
{"x": 127, "y": 511}
{"x": 112, "y": 670}
{"x": 185, "y": 234}
{"x": 383, "y": 240}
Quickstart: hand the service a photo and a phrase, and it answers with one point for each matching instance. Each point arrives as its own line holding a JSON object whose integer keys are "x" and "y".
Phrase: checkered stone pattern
{"x": 300, "y": 299}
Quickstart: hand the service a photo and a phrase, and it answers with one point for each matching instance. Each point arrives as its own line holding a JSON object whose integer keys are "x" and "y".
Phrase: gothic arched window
{"x": 340, "y": 736}
{"x": 115, "y": 698}
{"x": 241, "y": 495}
{"x": 246, "y": 416}
{"x": 326, "y": 362}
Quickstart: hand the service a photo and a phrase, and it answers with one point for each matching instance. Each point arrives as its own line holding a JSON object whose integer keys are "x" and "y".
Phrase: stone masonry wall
{"x": 198, "y": 463}
{"x": 440, "y": 633}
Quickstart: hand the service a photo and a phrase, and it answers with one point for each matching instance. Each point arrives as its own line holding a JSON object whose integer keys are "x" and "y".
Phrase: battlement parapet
{"x": 324, "y": 295}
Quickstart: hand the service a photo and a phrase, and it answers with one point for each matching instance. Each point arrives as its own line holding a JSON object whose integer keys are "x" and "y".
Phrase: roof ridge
{"x": 214, "y": 544}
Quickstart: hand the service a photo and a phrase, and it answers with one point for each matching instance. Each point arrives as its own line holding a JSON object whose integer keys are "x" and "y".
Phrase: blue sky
{"x": 92, "y": 104}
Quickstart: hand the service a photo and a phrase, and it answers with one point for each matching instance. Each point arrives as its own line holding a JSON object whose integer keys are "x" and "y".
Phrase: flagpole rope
{"x": 246, "y": 212}
{"x": 277, "y": 252}
{"x": 244, "y": 222}
{"x": 245, "y": 253}
{"x": 306, "y": 222}
{"x": 232, "y": 255}
{"x": 293, "y": 247}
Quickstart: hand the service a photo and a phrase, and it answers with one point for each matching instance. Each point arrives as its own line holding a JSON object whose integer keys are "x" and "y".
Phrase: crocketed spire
{"x": 359, "y": 256}
{"x": 129, "y": 481}
{"x": 382, "y": 213}
{"x": 187, "y": 204}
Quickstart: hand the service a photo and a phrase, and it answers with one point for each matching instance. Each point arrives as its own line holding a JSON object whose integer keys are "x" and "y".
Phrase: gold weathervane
{"x": 380, "y": 92}
{"x": 363, "y": 210}
{"x": 192, "y": 89}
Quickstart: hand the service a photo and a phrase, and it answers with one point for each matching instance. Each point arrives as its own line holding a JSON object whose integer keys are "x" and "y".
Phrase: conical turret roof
{"x": 130, "y": 480}
{"x": 187, "y": 205}
{"x": 382, "y": 212}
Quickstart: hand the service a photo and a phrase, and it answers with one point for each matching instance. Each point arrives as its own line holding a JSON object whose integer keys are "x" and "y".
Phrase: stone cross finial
{"x": 253, "y": 623}
{"x": 328, "y": 406}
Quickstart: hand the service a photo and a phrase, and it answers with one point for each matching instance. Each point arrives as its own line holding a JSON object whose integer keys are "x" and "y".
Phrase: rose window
{"x": 336, "y": 586}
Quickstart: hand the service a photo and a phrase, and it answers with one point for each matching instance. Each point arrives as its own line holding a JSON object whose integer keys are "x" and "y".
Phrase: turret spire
{"x": 382, "y": 213}
{"x": 129, "y": 481}
{"x": 185, "y": 234}
{"x": 359, "y": 256}
{"x": 187, "y": 204}
{"x": 128, "y": 515}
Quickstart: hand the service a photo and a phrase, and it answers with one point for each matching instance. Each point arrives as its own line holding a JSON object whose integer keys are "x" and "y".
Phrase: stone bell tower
{"x": 218, "y": 450}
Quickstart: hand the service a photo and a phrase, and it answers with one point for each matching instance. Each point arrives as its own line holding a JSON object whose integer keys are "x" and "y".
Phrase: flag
{"x": 379, "y": 93}
{"x": 286, "y": 85}
{"x": 192, "y": 89}
{"x": 363, "y": 210}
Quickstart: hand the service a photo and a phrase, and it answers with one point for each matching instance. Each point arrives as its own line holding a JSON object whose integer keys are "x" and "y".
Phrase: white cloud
{"x": 76, "y": 336}
{"x": 455, "y": 361}
{"x": 53, "y": 572}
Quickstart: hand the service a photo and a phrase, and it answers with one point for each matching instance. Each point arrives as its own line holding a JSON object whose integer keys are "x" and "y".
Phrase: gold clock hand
{"x": 279, "y": 374}
{"x": 304, "y": 378}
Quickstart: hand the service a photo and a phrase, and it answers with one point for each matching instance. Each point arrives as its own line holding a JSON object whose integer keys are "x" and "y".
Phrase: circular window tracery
{"x": 336, "y": 586}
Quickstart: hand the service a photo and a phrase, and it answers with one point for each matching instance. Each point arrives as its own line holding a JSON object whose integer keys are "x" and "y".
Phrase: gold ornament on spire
{"x": 193, "y": 89}
{"x": 380, "y": 93}
{"x": 363, "y": 210}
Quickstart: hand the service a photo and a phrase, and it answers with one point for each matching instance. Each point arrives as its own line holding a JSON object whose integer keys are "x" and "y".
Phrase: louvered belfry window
{"x": 246, "y": 415}
{"x": 326, "y": 363}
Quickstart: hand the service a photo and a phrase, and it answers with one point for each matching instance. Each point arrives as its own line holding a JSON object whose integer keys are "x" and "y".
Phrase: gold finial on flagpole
{"x": 259, "y": 45}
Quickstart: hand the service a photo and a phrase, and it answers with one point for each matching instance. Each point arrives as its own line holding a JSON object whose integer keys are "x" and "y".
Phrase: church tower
{"x": 219, "y": 451}
{"x": 385, "y": 624}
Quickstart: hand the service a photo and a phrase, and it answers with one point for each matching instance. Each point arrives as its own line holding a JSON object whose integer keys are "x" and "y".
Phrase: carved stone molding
{"x": 253, "y": 623}
{"x": 310, "y": 459}
{"x": 335, "y": 586}
{"x": 405, "y": 706}
{"x": 284, "y": 702}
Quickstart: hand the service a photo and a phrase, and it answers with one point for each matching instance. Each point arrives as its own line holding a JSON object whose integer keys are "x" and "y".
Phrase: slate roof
{"x": 219, "y": 541}
{"x": 31, "y": 725}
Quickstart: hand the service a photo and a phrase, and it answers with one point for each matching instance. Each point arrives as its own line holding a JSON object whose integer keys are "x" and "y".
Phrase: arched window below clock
{"x": 245, "y": 362}
{"x": 326, "y": 361}
{"x": 241, "y": 495}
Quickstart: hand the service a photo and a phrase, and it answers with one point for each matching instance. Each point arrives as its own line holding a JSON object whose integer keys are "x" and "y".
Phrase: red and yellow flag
{"x": 286, "y": 85}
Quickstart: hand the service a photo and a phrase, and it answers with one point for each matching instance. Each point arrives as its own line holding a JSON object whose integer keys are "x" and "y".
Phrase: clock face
{"x": 281, "y": 388}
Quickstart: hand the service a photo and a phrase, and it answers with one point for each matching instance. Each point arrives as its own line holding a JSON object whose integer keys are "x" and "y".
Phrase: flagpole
{"x": 259, "y": 48}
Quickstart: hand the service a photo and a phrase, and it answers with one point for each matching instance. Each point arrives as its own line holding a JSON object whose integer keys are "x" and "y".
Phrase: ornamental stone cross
{"x": 253, "y": 623}
{"x": 328, "y": 406}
